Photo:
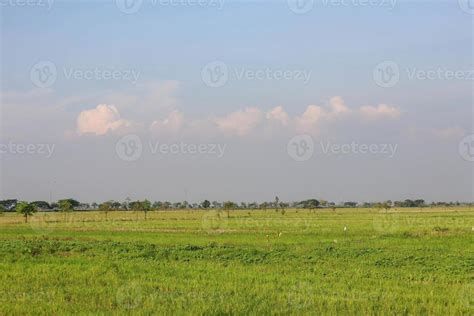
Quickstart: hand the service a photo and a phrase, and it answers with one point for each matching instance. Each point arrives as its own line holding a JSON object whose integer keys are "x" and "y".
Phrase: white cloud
{"x": 101, "y": 120}
{"x": 279, "y": 115}
{"x": 338, "y": 107}
{"x": 172, "y": 124}
{"x": 380, "y": 112}
{"x": 239, "y": 122}
{"x": 308, "y": 121}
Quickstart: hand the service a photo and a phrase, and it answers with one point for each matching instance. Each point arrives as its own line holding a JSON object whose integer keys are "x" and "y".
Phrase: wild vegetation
{"x": 239, "y": 261}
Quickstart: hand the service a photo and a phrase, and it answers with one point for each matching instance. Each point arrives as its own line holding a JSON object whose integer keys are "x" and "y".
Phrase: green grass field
{"x": 404, "y": 262}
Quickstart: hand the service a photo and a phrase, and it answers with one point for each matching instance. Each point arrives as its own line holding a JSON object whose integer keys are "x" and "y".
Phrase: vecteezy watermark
{"x": 439, "y": 74}
{"x": 391, "y": 222}
{"x": 467, "y": 6}
{"x": 217, "y": 73}
{"x": 387, "y": 74}
{"x": 98, "y": 73}
{"x": 130, "y": 148}
{"x": 391, "y": 4}
{"x": 300, "y": 6}
{"x": 45, "y": 73}
{"x": 12, "y": 148}
{"x": 355, "y": 148}
{"x": 386, "y": 223}
{"x": 133, "y": 6}
{"x": 181, "y": 148}
{"x": 301, "y": 147}
{"x": 300, "y": 295}
{"x": 214, "y": 220}
{"x": 129, "y": 296}
{"x": 27, "y": 3}
{"x": 466, "y": 148}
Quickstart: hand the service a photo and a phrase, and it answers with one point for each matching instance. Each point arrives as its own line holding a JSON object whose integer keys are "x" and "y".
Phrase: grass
{"x": 408, "y": 262}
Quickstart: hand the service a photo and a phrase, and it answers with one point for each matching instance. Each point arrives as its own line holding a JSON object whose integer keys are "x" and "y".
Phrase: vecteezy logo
{"x": 214, "y": 220}
{"x": 386, "y": 223}
{"x": 300, "y": 295}
{"x": 301, "y": 147}
{"x": 300, "y": 6}
{"x": 129, "y": 296}
{"x": 467, "y": 6}
{"x": 466, "y": 148}
{"x": 42, "y": 224}
{"x": 386, "y": 74}
{"x": 43, "y": 74}
{"x": 129, "y": 148}
{"x": 129, "y": 6}
{"x": 215, "y": 74}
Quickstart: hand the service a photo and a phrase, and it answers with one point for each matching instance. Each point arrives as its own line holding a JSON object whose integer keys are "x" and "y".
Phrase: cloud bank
{"x": 241, "y": 123}
{"x": 101, "y": 120}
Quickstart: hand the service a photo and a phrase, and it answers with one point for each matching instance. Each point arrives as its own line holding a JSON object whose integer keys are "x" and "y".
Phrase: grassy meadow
{"x": 403, "y": 262}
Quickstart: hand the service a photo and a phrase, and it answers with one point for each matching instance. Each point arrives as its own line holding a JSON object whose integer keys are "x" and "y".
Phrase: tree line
{"x": 68, "y": 205}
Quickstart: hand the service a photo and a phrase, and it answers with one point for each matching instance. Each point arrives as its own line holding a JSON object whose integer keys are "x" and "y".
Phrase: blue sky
{"x": 168, "y": 46}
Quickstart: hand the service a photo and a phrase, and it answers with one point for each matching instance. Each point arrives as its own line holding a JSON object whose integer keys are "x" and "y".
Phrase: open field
{"x": 406, "y": 261}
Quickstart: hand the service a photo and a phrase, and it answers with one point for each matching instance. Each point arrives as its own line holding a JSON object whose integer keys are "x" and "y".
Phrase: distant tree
{"x": 229, "y": 206}
{"x": 243, "y": 205}
{"x": 74, "y": 203}
{"x": 276, "y": 204}
{"x": 9, "y": 205}
{"x": 309, "y": 204}
{"x": 166, "y": 205}
{"x": 323, "y": 203}
{"x": 283, "y": 206}
{"x": 383, "y": 206}
{"x": 94, "y": 205}
{"x": 25, "y": 208}
{"x": 115, "y": 205}
{"x": 206, "y": 204}
{"x": 65, "y": 206}
{"x": 253, "y": 205}
{"x": 41, "y": 204}
{"x": 85, "y": 206}
{"x": 350, "y": 204}
{"x": 146, "y": 207}
{"x": 157, "y": 205}
{"x": 263, "y": 205}
{"x": 127, "y": 203}
{"x": 216, "y": 204}
{"x": 421, "y": 203}
{"x": 105, "y": 207}
{"x": 136, "y": 206}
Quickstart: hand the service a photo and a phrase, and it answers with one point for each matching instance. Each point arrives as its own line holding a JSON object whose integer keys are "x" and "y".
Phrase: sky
{"x": 342, "y": 100}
